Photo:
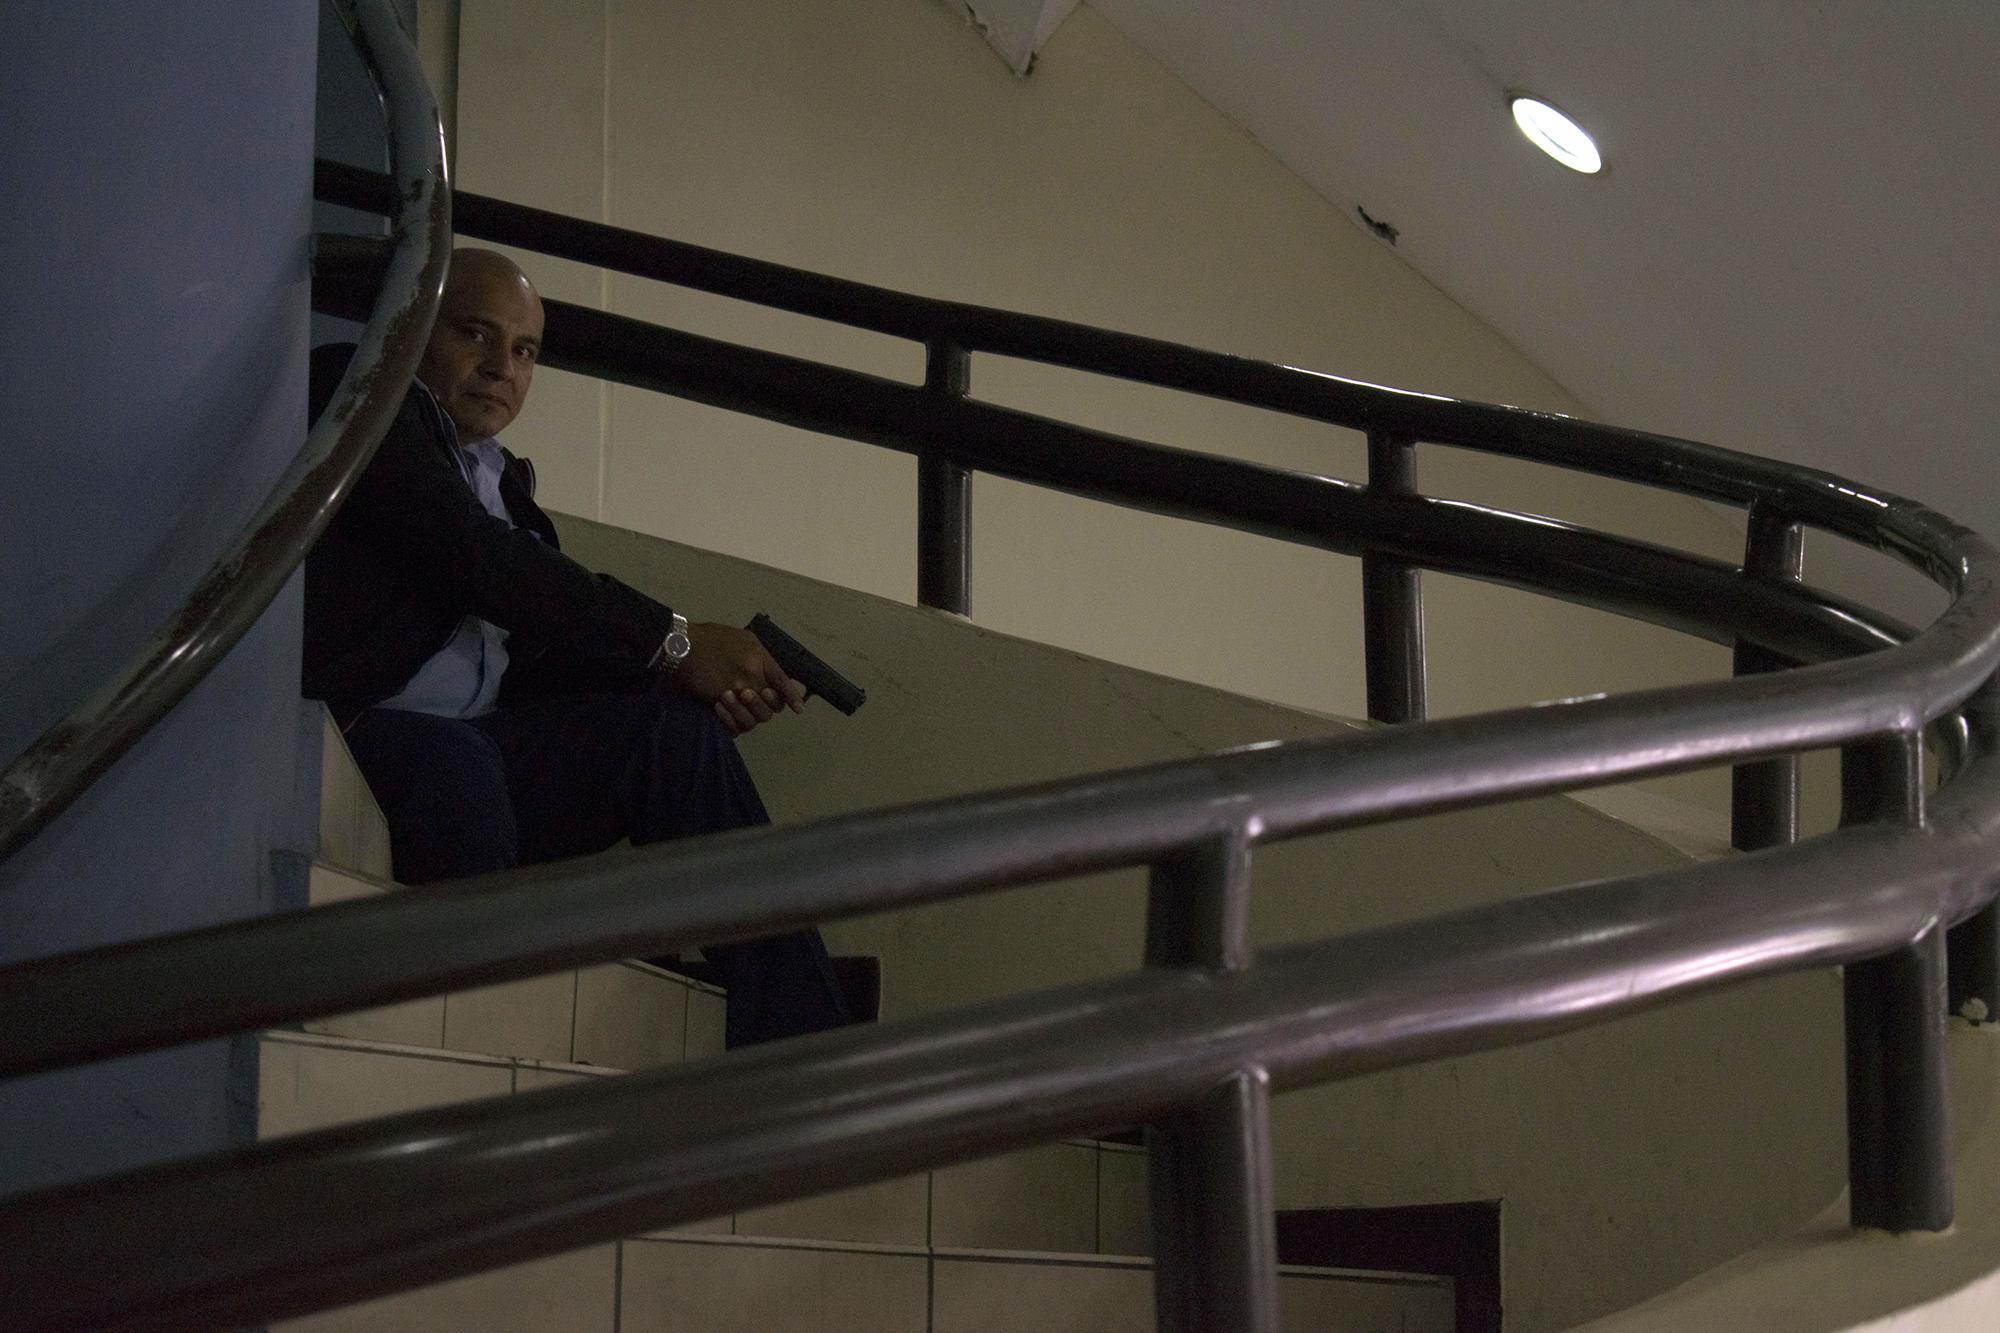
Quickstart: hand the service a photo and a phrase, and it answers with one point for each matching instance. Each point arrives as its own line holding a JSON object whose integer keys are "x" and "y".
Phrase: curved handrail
{"x": 1296, "y": 788}
{"x": 514, "y": 924}
{"x": 1650, "y": 459}
{"x": 1604, "y": 570}
{"x": 51, "y": 773}
{"x": 510, "y": 1179}
{"x": 1612, "y": 572}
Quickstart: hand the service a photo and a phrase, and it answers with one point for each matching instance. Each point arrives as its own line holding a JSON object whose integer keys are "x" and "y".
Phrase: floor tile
{"x": 530, "y": 1018}
{"x": 1002, "y": 1296}
{"x": 412, "y": 1023}
{"x": 528, "y": 1079}
{"x": 629, "y": 1019}
{"x": 334, "y": 884}
{"x": 705, "y": 1287}
{"x": 352, "y": 832}
{"x": 1123, "y": 1225}
{"x": 303, "y": 1087}
{"x": 570, "y": 1293}
{"x": 1040, "y": 1199}
{"x": 892, "y": 1212}
{"x": 704, "y": 1024}
{"x": 339, "y": 791}
{"x": 1310, "y": 1304}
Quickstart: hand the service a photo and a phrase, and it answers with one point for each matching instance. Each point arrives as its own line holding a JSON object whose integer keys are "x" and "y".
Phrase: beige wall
{"x": 880, "y": 140}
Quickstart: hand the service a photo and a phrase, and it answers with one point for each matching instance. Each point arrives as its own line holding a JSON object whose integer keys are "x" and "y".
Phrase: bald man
{"x": 506, "y": 705}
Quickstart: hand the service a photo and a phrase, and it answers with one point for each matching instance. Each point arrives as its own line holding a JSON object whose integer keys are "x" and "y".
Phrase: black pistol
{"x": 804, "y": 666}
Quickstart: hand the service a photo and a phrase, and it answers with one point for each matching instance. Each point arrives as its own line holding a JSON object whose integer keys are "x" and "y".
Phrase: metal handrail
{"x": 370, "y": 952}
{"x": 1687, "y": 466}
{"x": 502, "y": 1181}
{"x": 514, "y": 924}
{"x": 50, "y": 774}
{"x": 1708, "y": 598}
{"x": 1194, "y": 1042}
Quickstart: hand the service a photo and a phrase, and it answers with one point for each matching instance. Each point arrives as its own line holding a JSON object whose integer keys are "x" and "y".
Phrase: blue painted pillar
{"x": 153, "y": 232}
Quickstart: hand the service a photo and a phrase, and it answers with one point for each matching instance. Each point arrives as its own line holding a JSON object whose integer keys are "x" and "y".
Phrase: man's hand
{"x": 728, "y": 667}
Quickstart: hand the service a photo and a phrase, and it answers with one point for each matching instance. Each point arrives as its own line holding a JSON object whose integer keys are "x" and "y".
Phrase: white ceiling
{"x": 1794, "y": 250}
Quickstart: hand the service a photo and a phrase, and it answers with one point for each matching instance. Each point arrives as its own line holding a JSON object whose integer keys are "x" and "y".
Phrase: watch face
{"x": 678, "y": 645}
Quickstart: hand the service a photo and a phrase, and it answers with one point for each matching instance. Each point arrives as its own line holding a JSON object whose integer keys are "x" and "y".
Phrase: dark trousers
{"x": 567, "y": 777}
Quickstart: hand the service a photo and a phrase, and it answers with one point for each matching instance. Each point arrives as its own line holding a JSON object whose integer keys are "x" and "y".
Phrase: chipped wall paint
{"x": 1017, "y": 29}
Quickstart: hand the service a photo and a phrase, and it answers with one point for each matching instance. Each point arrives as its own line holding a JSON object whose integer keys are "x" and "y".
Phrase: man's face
{"x": 483, "y": 347}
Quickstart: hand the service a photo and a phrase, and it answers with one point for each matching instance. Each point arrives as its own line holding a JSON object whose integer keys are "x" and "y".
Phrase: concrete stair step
{"x": 720, "y": 1284}
{"x": 1076, "y": 1196}
{"x": 353, "y": 836}
{"x": 616, "y": 1015}
{"x": 1049, "y": 1239}
{"x": 626, "y": 1015}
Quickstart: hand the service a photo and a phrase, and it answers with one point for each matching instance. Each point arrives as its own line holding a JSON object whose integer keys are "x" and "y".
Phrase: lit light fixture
{"x": 1557, "y": 135}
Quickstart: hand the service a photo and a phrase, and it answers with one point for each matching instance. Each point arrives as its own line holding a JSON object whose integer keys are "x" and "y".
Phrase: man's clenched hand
{"x": 726, "y": 666}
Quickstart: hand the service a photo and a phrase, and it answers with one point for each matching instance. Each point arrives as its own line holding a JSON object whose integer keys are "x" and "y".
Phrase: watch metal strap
{"x": 675, "y": 650}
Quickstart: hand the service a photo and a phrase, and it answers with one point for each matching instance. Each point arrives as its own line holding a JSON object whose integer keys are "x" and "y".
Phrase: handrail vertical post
{"x": 1215, "y": 1242}
{"x": 1764, "y": 796}
{"x": 944, "y": 498}
{"x": 1198, "y": 906}
{"x": 1972, "y": 948}
{"x": 1392, "y": 605}
{"x": 1972, "y": 966}
{"x": 1898, "y": 1144}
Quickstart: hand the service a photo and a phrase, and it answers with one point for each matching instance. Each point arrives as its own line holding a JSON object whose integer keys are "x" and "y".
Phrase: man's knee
{"x": 681, "y": 723}
{"x": 694, "y": 780}
{"x": 442, "y": 787}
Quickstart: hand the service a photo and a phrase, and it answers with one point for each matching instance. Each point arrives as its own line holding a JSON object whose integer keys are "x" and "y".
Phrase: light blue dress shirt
{"x": 462, "y": 678}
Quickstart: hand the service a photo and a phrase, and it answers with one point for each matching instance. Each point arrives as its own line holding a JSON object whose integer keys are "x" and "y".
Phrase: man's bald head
{"x": 470, "y": 263}
{"x": 483, "y": 348}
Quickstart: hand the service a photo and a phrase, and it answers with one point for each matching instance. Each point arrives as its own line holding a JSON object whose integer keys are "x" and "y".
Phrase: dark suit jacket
{"x": 412, "y": 552}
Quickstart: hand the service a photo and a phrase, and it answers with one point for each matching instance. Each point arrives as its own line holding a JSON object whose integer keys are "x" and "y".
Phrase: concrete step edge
{"x": 334, "y": 1041}
{"x": 369, "y": 1044}
{"x": 1039, "y": 1258}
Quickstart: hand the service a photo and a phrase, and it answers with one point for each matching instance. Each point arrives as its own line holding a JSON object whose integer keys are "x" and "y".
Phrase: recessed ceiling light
{"x": 1557, "y": 135}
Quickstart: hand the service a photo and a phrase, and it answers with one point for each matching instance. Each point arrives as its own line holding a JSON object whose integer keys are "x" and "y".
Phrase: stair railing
{"x": 1194, "y": 1042}
{"x": 50, "y": 774}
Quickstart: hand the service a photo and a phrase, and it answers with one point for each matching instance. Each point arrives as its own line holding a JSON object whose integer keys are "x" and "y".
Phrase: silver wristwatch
{"x": 675, "y": 650}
